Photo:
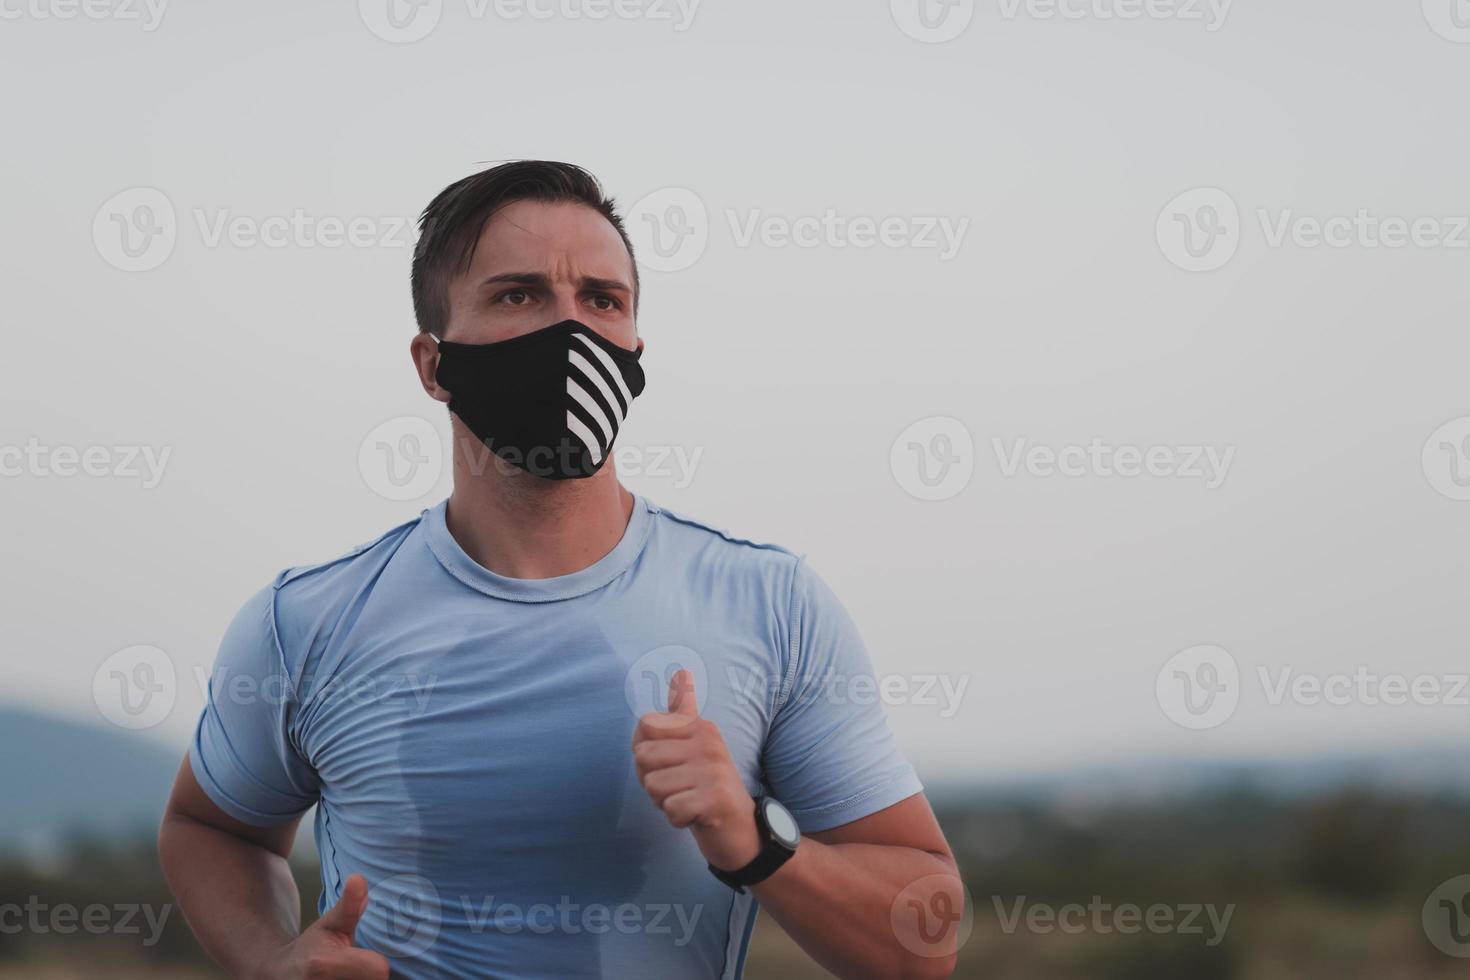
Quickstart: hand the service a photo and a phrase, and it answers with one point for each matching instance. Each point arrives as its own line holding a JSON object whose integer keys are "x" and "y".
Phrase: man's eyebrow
{"x": 608, "y": 285}
{"x": 540, "y": 279}
{"x": 521, "y": 278}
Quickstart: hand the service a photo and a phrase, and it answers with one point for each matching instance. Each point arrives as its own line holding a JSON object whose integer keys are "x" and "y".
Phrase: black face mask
{"x": 550, "y": 401}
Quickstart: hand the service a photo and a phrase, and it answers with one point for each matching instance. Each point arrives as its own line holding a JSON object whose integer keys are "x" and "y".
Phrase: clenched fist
{"x": 686, "y": 768}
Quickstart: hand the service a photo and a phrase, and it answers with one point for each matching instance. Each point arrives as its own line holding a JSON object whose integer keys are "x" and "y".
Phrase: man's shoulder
{"x": 703, "y": 532}
{"x": 305, "y": 597}
{"x": 711, "y": 542}
{"x": 303, "y": 603}
{"x": 355, "y": 562}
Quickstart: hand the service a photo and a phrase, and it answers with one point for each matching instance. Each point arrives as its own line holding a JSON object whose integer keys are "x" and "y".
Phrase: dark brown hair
{"x": 450, "y": 227}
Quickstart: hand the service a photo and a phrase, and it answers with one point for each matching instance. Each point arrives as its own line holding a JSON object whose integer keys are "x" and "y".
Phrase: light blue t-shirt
{"x": 467, "y": 738}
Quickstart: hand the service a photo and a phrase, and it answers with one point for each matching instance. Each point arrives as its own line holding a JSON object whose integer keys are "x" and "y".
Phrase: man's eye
{"x": 604, "y": 304}
{"x": 515, "y": 297}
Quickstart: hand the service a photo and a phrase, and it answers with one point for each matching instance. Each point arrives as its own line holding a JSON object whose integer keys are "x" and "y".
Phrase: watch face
{"x": 782, "y": 824}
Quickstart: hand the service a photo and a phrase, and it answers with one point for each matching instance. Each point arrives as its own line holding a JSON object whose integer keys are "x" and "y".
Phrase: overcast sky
{"x": 919, "y": 284}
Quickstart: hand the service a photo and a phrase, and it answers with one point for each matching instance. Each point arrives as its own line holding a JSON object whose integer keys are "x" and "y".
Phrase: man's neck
{"x": 522, "y": 526}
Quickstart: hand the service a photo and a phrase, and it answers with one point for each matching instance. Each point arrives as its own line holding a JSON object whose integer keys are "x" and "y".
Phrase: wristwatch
{"x": 779, "y": 836}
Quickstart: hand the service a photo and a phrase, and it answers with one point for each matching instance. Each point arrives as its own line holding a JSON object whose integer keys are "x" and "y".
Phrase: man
{"x": 476, "y": 700}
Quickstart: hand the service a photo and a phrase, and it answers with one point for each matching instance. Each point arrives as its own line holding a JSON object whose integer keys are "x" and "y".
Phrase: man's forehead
{"x": 548, "y": 233}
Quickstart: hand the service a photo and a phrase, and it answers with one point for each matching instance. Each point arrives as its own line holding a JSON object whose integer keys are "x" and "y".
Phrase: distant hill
{"x": 63, "y": 778}
{"x": 1435, "y": 770}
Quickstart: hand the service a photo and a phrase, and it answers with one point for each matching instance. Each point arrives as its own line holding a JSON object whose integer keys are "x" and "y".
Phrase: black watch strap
{"x": 771, "y": 857}
{"x": 773, "y": 854}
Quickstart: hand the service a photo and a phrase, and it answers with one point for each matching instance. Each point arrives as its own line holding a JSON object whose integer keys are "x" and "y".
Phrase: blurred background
{"x": 1107, "y": 358}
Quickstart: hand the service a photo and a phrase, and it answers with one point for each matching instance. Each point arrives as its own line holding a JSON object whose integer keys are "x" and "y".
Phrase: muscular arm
{"x": 233, "y": 883}
{"x": 231, "y": 880}
{"x": 836, "y": 895}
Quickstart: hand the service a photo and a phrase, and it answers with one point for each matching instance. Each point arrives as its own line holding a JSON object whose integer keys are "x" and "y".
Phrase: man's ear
{"x": 424, "y": 350}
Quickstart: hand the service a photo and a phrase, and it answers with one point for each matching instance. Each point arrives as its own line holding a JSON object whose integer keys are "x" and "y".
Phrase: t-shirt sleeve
{"x": 830, "y": 757}
{"x": 242, "y": 754}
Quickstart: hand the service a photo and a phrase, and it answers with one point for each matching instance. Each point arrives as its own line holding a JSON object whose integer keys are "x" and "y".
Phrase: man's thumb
{"x": 681, "y": 695}
{"x": 342, "y": 917}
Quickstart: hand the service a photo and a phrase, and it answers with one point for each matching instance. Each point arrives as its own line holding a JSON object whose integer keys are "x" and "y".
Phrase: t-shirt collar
{"x": 584, "y": 580}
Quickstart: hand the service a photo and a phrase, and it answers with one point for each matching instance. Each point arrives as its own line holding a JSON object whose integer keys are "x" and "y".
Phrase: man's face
{"x": 537, "y": 264}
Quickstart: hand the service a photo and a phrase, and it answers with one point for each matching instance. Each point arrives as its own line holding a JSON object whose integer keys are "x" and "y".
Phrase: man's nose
{"x": 564, "y": 305}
